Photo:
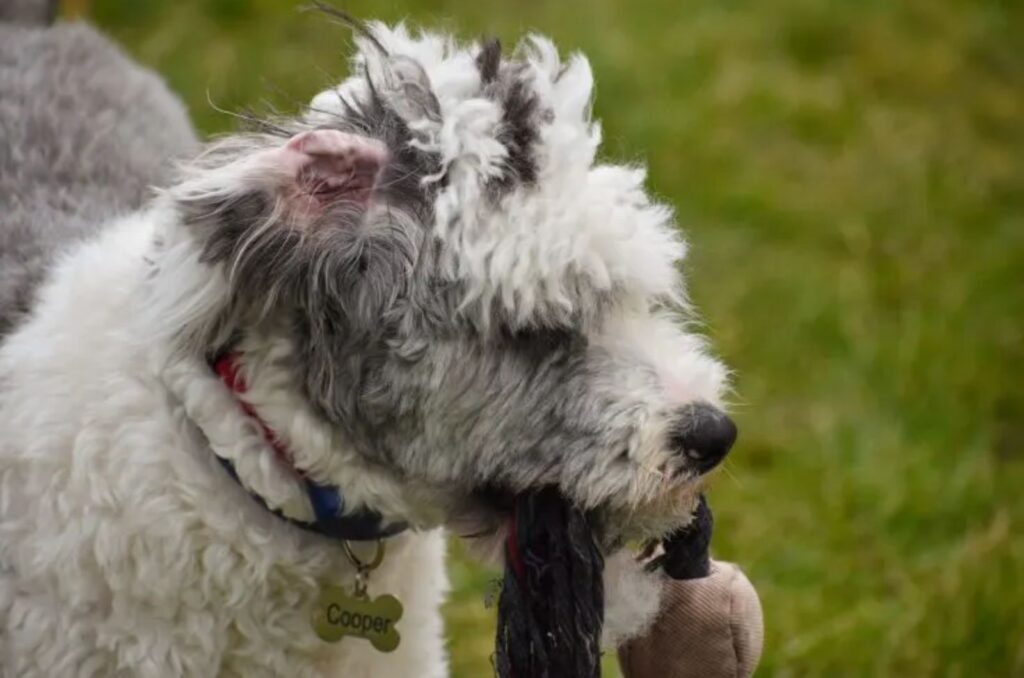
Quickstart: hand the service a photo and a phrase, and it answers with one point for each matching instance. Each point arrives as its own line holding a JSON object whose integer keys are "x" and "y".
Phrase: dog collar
{"x": 327, "y": 501}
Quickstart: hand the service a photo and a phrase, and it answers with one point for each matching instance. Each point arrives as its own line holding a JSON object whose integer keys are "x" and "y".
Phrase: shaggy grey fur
{"x": 84, "y": 134}
{"x": 386, "y": 353}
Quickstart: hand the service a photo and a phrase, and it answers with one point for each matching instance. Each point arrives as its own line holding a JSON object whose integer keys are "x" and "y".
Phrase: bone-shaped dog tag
{"x": 339, "y": 614}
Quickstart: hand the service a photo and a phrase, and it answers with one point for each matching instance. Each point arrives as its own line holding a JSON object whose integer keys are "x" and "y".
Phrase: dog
{"x": 417, "y": 298}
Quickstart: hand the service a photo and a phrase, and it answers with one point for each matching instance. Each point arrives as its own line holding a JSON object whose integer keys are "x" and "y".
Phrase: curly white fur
{"x": 579, "y": 219}
{"x": 125, "y": 549}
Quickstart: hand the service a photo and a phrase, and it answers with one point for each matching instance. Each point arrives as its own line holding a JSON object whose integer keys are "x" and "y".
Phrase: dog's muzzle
{"x": 703, "y": 434}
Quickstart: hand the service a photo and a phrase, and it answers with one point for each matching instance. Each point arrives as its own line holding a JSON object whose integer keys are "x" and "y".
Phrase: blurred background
{"x": 851, "y": 178}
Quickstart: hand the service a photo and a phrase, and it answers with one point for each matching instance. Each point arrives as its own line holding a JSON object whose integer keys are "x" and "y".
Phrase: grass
{"x": 851, "y": 177}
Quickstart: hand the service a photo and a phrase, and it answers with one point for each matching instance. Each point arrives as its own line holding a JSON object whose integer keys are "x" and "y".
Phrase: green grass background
{"x": 851, "y": 176}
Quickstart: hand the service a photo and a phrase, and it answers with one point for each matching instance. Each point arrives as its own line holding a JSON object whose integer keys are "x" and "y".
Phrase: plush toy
{"x": 710, "y": 623}
{"x": 552, "y": 602}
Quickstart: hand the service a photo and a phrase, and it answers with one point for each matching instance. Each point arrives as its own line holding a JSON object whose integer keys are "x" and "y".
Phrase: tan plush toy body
{"x": 711, "y": 627}
{"x": 710, "y": 623}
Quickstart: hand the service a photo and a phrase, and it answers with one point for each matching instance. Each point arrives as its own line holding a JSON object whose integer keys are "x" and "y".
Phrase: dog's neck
{"x": 330, "y": 515}
{"x": 278, "y": 449}
{"x": 183, "y": 301}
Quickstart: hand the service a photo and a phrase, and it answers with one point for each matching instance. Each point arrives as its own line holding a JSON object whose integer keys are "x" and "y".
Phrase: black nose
{"x": 704, "y": 434}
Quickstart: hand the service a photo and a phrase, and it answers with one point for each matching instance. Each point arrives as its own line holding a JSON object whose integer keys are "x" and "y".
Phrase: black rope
{"x": 551, "y": 607}
{"x": 552, "y": 599}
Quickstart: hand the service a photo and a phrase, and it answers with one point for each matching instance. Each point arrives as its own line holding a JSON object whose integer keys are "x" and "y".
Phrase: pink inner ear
{"x": 338, "y": 167}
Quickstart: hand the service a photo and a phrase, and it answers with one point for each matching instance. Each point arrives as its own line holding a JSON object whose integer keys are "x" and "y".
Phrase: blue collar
{"x": 329, "y": 507}
{"x": 328, "y": 502}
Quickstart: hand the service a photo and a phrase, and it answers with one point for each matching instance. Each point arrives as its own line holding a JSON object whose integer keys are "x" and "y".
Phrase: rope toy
{"x": 551, "y": 607}
{"x": 552, "y": 599}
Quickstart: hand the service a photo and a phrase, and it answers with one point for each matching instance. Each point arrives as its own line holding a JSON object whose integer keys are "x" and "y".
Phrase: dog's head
{"x": 471, "y": 300}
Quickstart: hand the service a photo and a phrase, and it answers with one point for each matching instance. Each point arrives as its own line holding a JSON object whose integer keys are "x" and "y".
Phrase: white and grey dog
{"x": 432, "y": 296}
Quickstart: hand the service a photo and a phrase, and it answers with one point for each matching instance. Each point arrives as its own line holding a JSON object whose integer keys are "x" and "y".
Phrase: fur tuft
{"x": 632, "y": 597}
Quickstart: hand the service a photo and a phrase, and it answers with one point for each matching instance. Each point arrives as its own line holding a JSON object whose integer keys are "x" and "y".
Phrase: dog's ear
{"x": 252, "y": 178}
{"x": 245, "y": 191}
{"x": 326, "y": 167}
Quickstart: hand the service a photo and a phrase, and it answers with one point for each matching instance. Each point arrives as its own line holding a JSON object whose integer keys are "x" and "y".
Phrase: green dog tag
{"x": 339, "y": 614}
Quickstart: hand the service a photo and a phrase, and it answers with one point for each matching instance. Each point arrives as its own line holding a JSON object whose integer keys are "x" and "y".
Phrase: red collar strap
{"x": 327, "y": 500}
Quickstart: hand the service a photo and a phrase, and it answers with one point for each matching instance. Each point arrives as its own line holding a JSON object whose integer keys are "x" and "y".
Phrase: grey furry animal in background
{"x": 84, "y": 134}
{"x": 28, "y": 12}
